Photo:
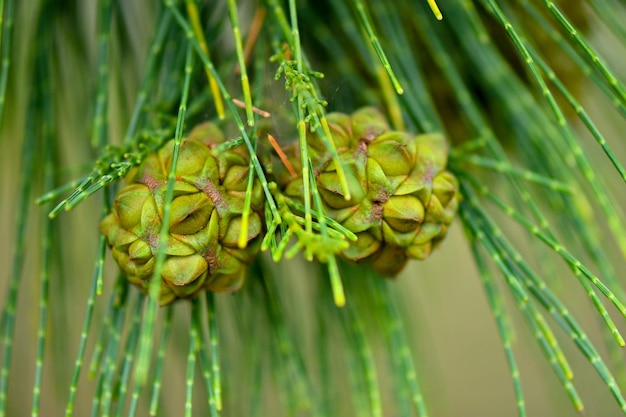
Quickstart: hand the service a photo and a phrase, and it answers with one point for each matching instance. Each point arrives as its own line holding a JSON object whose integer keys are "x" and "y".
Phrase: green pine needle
{"x": 509, "y": 83}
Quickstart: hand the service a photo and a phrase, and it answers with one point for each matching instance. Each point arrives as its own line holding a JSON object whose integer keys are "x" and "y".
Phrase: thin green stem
{"x": 607, "y": 206}
{"x": 356, "y": 327}
{"x": 105, "y": 332}
{"x": 10, "y": 302}
{"x": 158, "y": 371}
{"x": 580, "y": 111}
{"x": 108, "y": 371}
{"x": 130, "y": 353}
{"x": 574, "y": 55}
{"x": 433, "y": 6}
{"x": 596, "y": 61}
{"x": 503, "y": 324}
{"x": 233, "y": 109}
{"x": 44, "y": 282}
{"x": 417, "y": 103}
{"x": 99, "y": 134}
{"x": 155, "y": 51}
{"x": 57, "y": 192}
{"x": 145, "y": 346}
{"x": 97, "y": 278}
{"x": 205, "y": 366}
{"x": 306, "y": 172}
{"x": 299, "y": 389}
{"x": 245, "y": 215}
{"x": 541, "y": 331}
{"x": 97, "y": 396}
{"x": 545, "y": 296}
{"x": 194, "y": 17}
{"x": 505, "y": 167}
{"x": 308, "y": 106}
{"x": 47, "y": 231}
{"x": 245, "y": 84}
{"x": 191, "y": 361}
{"x": 214, "y": 344}
{"x": 7, "y": 11}
{"x": 335, "y": 278}
{"x": 365, "y": 21}
{"x": 397, "y": 342}
{"x": 559, "y": 249}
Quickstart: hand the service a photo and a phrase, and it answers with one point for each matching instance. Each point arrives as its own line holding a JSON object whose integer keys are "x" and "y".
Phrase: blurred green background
{"x": 455, "y": 345}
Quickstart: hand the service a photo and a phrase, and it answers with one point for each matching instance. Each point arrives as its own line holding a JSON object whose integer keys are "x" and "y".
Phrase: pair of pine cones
{"x": 402, "y": 203}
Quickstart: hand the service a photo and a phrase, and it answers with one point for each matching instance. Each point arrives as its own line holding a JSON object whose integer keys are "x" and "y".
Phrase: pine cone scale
{"x": 403, "y": 199}
{"x": 204, "y": 218}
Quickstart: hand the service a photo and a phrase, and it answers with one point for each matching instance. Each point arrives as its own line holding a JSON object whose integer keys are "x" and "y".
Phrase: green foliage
{"x": 532, "y": 114}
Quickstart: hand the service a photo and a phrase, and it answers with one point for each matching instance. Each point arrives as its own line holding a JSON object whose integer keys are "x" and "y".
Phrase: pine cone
{"x": 205, "y": 218}
{"x": 402, "y": 201}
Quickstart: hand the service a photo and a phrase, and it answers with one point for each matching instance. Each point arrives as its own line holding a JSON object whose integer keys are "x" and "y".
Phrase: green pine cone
{"x": 403, "y": 199}
{"x": 205, "y": 218}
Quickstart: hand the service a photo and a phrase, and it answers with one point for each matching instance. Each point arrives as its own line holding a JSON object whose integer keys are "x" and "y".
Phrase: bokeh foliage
{"x": 531, "y": 97}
